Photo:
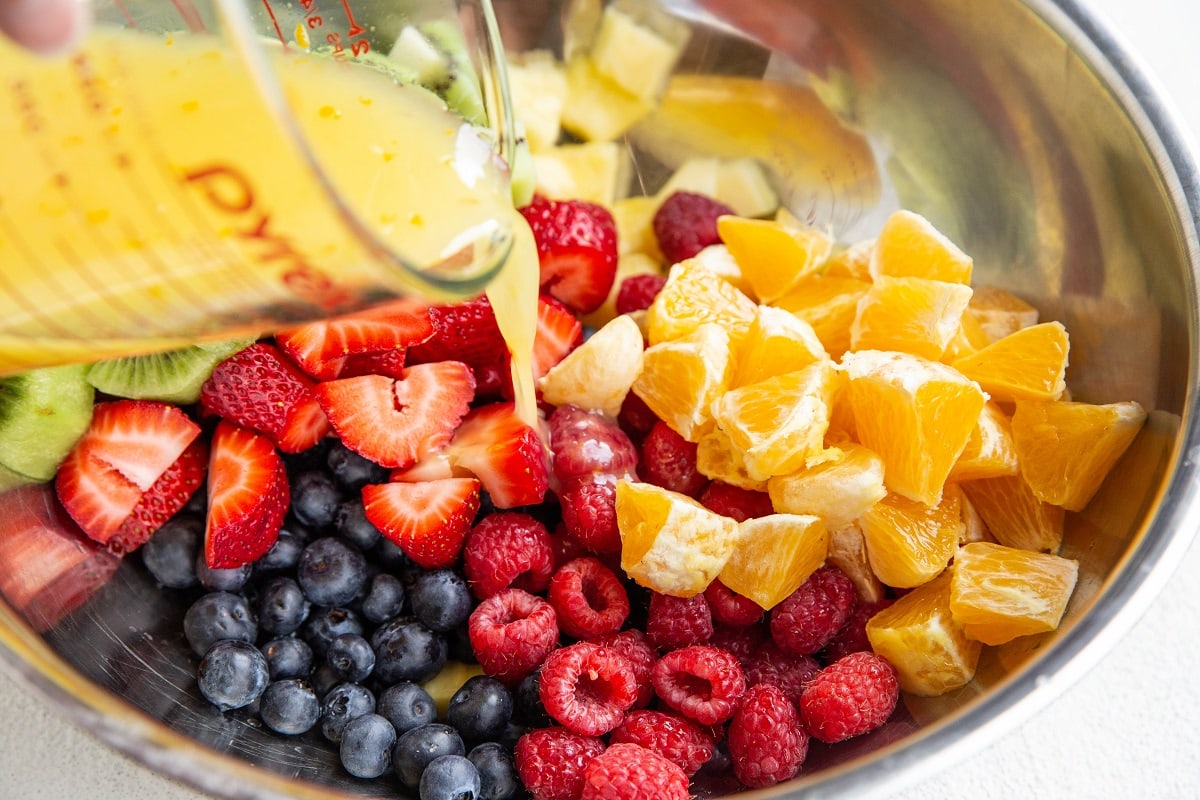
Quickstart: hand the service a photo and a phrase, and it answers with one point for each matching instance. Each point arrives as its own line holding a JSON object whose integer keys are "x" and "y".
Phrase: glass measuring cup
{"x": 207, "y": 168}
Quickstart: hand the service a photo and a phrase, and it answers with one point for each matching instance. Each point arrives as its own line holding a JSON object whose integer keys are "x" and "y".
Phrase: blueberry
{"x": 406, "y": 705}
{"x": 351, "y": 523}
{"x": 527, "y": 702}
{"x": 222, "y": 580}
{"x": 441, "y": 599}
{"x": 416, "y": 748}
{"x": 480, "y": 709}
{"x": 331, "y": 572}
{"x": 366, "y": 746}
{"x": 384, "y": 598}
{"x": 342, "y": 703}
{"x": 290, "y": 707}
{"x": 232, "y": 674}
{"x": 170, "y": 554}
{"x": 315, "y": 499}
{"x": 284, "y": 555}
{"x": 405, "y": 650}
{"x": 350, "y": 470}
{"x": 327, "y": 624}
{"x": 324, "y": 680}
{"x": 497, "y": 775}
{"x": 282, "y": 606}
{"x": 217, "y": 616}
{"x": 288, "y": 657}
{"x": 351, "y": 657}
{"x": 388, "y": 555}
{"x": 450, "y": 778}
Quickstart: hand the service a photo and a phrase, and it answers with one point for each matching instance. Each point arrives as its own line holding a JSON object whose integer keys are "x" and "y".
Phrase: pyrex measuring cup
{"x": 206, "y": 168}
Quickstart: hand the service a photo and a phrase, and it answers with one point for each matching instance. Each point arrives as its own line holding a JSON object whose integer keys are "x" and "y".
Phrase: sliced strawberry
{"x": 127, "y": 448}
{"x": 467, "y": 332}
{"x": 428, "y": 520}
{"x": 321, "y": 348}
{"x": 260, "y": 389}
{"x": 577, "y": 250}
{"x": 396, "y": 422}
{"x": 384, "y": 362}
{"x": 163, "y": 499}
{"x": 248, "y": 495}
{"x": 558, "y": 333}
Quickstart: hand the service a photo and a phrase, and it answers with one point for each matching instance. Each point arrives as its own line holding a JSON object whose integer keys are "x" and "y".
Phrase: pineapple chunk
{"x": 597, "y": 109}
{"x": 635, "y": 226}
{"x": 637, "y": 46}
{"x": 740, "y": 183}
{"x": 598, "y": 172}
{"x": 539, "y": 90}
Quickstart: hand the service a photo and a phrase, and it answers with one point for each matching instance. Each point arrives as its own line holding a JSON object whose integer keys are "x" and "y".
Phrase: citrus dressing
{"x": 514, "y": 298}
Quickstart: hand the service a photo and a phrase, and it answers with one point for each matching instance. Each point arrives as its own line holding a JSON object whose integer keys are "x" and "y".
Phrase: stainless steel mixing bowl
{"x": 1023, "y": 132}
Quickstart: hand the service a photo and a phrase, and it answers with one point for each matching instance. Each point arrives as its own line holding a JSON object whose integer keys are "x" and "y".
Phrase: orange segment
{"x": 829, "y": 305}
{"x": 910, "y": 246}
{"x": 1000, "y": 312}
{"x": 851, "y": 262}
{"x": 998, "y": 593}
{"x": 718, "y": 459}
{"x": 774, "y": 254}
{"x": 990, "y": 451}
{"x": 916, "y": 414}
{"x": 1066, "y": 449}
{"x": 1013, "y": 515}
{"x": 838, "y": 489}
{"x": 692, "y": 296}
{"x": 912, "y": 315}
{"x": 908, "y": 542}
{"x": 779, "y": 423}
{"x": 1029, "y": 364}
{"x": 918, "y": 635}
{"x": 970, "y": 337}
{"x": 669, "y": 542}
{"x": 776, "y": 343}
{"x": 774, "y": 555}
{"x": 848, "y": 552}
{"x": 597, "y": 374}
{"x": 681, "y": 378}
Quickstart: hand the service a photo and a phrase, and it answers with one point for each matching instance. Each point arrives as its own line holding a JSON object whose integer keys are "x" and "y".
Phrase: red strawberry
{"x": 320, "y": 348}
{"x": 161, "y": 502}
{"x": 248, "y": 495}
{"x": 427, "y": 520}
{"x": 127, "y": 448}
{"x": 467, "y": 332}
{"x": 558, "y": 333}
{"x": 384, "y": 362}
{"x": 396, "y": 422}
{"x": 577, "y": 250}
{"x": 260, "y": 389}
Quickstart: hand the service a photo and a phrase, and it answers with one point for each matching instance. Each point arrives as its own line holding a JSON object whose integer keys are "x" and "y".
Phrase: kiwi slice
{"x": 174, "y": 376}
{"x": 434, "y": 54}
{"x": 42, "y": 414}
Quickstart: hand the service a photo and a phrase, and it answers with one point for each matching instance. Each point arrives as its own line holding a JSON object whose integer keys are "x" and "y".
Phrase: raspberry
{"x": 733, "y": 501}
{"x": 637, "y": 292}
{"x": 588, "y": 598}
{"x": 508, "y": 549}
{"x": 808, "y": 618}
{"x": 670, "y": 735}
{"x": 729, "y": 607}
{"x": 769, "y": 664}
{"x": 852, "y": 638}
{"x": 674, "y": 622}
{"x": 767, "y": 742}
{"x": 589, "y": 514}
{"x": 702, "y": 683}
{"x": 686, "y": 223}
{"x": 741, "y": 641}
{"x": 550, "y": 762}
{"x": 635, "y": 417}
{"x": 852, "y": 696}
{"x": 511, "y": 633}
{"x": 631, "y": 772}
{"x": 669, "y": 461}
{"x": 587, "y": 688}
{"x": 641, "y": 656}
{"x": 587, "y": 443}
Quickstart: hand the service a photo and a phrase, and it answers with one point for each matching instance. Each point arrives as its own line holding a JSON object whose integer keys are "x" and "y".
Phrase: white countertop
{"x": 1129, "y": 728}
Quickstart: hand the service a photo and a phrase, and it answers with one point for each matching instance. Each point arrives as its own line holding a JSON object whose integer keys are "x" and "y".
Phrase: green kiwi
{"x": 42, "y": 414}
{"x": 435, "y": 56}
{"x": 523, "y": 179}
{"x": 174, "y": 376}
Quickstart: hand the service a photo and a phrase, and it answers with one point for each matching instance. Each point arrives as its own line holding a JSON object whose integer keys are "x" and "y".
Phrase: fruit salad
{"x": 777, "y": 484}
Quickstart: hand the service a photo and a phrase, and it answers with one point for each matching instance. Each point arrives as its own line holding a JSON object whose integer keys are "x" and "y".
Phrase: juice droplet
{"x": 329, "y": 112}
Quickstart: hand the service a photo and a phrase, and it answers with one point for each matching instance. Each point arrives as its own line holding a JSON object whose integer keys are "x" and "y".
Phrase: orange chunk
{"x": 597, "y": 374}
{"x": 1030, "y": 364}
{"x": 913, "y": 315}
{"x": 1000, "y": 312}
{"x": 908, "y": 542}
{"x": 774, "y": 254}
{"x": 1013, "y": 515}
{"x": 910, "y": 246}
{"x": 779, "y": 423}
{"x": 1067, "y": 448}
{"x": 829, "y": 305}
{"x": 777, "y": 342}
{"x": 970, "y": 337}
{"x": 681, "y": 378}
{"x": 669, "y": 542}
{"x": 695, "y": 295}
{"x": 838, "y": 489}
{"x": 990, "y": 451}
{"x": 718, "y": 459}
{"x": 848, "y": 552}
{"x": 919, "y": 636}
{"x": 916, "y": 414}
{"x": 998, "y": 593}
{"x": 851, "y": 262}
{"x": 774, "y": 555}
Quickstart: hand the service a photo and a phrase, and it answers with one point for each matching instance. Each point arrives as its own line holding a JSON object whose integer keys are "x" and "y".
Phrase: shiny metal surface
{"x": 1021, "y": 131}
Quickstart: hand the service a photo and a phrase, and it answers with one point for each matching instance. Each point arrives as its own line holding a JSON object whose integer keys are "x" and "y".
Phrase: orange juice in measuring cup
{"x": 205, "y": 168}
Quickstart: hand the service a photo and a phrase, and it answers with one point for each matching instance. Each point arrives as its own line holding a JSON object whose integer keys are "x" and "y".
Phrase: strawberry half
{"x": 558, "y": 333}
{"x": 321, "y": 348}
{"x": 126, "y": 450}
{"x": 260, "y": 389}
{"x": 467, "y": 332}
{"x": 165, "y": 497}
{"x": 396, "y": 422}
{"x": 428, "y": 520}
{"x": 577, "y": 250}
{"x": 248, "y": 495}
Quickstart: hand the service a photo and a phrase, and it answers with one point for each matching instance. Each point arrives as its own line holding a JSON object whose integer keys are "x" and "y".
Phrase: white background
{"x": 1129, "y": 728}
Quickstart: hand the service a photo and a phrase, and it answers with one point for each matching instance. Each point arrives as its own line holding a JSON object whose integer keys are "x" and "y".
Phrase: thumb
{"x": 45, "y": 26}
